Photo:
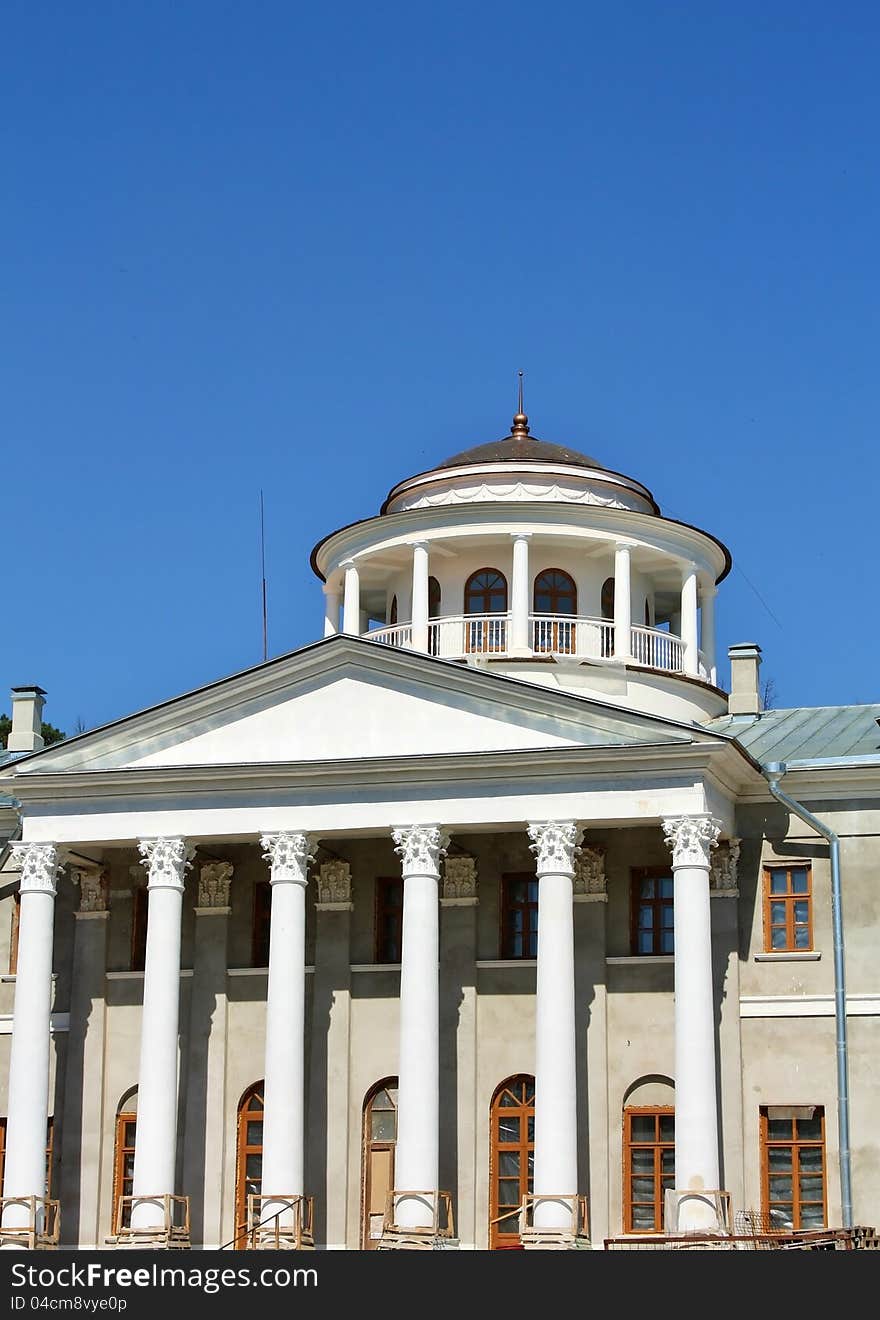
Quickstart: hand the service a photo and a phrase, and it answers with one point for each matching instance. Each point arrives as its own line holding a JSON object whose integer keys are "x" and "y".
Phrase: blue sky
{"x": 306, "y": 248}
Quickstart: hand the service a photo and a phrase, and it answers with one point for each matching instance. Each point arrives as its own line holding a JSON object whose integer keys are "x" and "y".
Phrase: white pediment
{"x": 345, "y": 700}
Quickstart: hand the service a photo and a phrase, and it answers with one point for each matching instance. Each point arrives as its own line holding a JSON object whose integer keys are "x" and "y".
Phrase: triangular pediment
{"x": 345, "y": 699}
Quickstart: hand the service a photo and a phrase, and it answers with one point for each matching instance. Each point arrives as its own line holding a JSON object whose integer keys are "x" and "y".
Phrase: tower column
{"x": 351, "y": 605}
{"x": 707, "y": 629}
{"x": 622, "y": 602}
{"x": 689, "y": 633}
{"x": 331, "y": 609}
{"x": 420, "y": 596}
{"x": 519, "y": 596}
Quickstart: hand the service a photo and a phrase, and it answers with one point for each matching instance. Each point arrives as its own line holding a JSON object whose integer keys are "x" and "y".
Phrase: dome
{"x": 520, "y": 447}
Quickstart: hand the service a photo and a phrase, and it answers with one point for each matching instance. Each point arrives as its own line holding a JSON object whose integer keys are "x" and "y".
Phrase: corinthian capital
{"x": 214, "y": 881}
{"x": 420, "y": 847}
{"x": 39, "y": 867}
{"x": 554, "y": 843}
{"x": 167, "y": 861}
{"x": 288, "y": 855}
{"x": 691, "y": 838}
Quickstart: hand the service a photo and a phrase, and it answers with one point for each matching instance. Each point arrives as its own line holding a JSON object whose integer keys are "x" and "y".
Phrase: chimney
{"x": 27, "y": 717}
{"x": 745, "y": 692}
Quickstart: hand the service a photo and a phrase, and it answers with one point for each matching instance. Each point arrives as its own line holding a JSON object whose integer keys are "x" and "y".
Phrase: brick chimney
{"x": 745, "y": 691}
{"x": 27, "y": 718}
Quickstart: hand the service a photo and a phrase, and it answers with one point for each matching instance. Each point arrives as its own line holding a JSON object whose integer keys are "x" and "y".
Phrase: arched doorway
{"x": 248, "y": 1157}
{"x": 123, "y": 1158}
{"x": 511, "y": 1158}
{"x": 554, "y": 595}
{"x": 379, "y": 1141}
{"x": 433, "y": 613}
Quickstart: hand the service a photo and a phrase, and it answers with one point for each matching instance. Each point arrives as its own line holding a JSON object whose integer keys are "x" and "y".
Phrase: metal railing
{"x": 40, "y": 1222}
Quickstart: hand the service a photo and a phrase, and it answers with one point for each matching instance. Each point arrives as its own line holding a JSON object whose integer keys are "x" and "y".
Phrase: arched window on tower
{"x": 608, "y": 613}
{"x": 433, "y": 613}
{"x": 392, "y": 613}
{"x": 485, "y": 594}
{"x": 554, "y": 599}
{"x": 379, "y": 1143}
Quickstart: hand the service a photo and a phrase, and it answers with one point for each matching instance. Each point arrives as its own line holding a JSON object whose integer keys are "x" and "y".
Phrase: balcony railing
{"x": 457, "y": 636}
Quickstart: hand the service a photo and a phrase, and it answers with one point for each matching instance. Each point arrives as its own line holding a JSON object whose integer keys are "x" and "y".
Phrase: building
{"x": 484, "y": 919}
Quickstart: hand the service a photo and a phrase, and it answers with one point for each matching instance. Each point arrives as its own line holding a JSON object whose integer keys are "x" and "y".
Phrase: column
{"x": 82, "y": 1122}
{"x": 331, "y": 609}
{"x": 696, "y": 1104}
{"x": 458, "y": 1041}
{"x": 167, "y": 861}
{"x": 351, "y": 604}
{"x": 708, "y": 592}
{"x": 556, "y": 1168}
{"x": 283, "y": 1105}
{"x": 28, "y": 1106}
{"x": 690, "y": 656}
{"x": 418, "y": 1098}
{"x": 419, "y": 597}
{"x": 622, "y": 602}
{"x": 205, "y": 1065}
{"x": 519, "y": 596}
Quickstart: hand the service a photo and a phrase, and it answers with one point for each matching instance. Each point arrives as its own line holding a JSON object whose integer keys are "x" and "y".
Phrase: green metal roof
{"x": 808, "y": 733}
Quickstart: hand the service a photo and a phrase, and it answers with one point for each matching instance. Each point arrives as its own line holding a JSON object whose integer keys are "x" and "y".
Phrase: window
{"x": 248, "y": 1157}
{"x": 511, "y": 1158}
{"x": 554, "y": 594}
{"x": 788, "y": 908}
{"x": 652, "y": 911}
{"x": 648, "y": 1167}
{"x": 519, "y": 915}
{"x": 485, "y": 592}
{"x": 392, "y": 613}
{"x": 433, "y": 598}
{"x": 793, "y": 1165}
{"x": 50, "y": 1132}
{"x": 389, "y": 918}
{"x": 13, "y": 934}
{"x": 380, "y": 1137}
{"x": 123, "y": 1160}
{"x": 139, "y": 929}
{"x": 607, "y": 608}
{"x": 260, "y": 927}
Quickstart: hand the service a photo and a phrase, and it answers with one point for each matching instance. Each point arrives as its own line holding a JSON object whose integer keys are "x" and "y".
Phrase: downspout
{"x": 773, "y": 772}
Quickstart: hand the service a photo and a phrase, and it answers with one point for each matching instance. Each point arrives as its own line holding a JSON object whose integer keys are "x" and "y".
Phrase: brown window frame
{"x": 122, "y": 1183}
{"x": 50, "y": 1142}
{"x": 261, "y": 923}
{"x": 371, "y": 1146}
{"x": 661, "y": 1180}
{"x": 637, "y": 875}
{"x": 139, "y": 915}
{"x": 797, "y": 1145}
{"x": 251, "y": 1108}
{"x": 383, "y": 909}
{"x": 14, "y": 923}
{"x": 524, "y": 1112}
{"x": 788, "y": 899}
{"x": 506, "y": 906}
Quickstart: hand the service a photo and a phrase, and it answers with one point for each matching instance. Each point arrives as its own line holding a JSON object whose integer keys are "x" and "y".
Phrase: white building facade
{"x": 474, "y": 923}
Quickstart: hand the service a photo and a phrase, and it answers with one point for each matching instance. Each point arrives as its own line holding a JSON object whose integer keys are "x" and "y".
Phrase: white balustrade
{"x": 399, "y": 635}
{"x": 657, "y": 649}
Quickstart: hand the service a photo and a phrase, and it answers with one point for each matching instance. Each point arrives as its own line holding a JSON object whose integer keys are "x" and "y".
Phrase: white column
{"x": 331, "y": 609}
{"x": 155, "y": 1146}
{"x": 418, "y": 1098}
{"x": 696, "y": 1104}
{"x": 690, "y": 658}
{"x": 420, "y": 597}
{"x": 351, "y": 604}
{"x": 27, "y": 1114}
{"x": 622, "y": 602}
{"x": 519, "y": 596}
{"x": 284, "y": 1095}
{"x": 708, "y": 593}
{"x": 556, "y": 1171}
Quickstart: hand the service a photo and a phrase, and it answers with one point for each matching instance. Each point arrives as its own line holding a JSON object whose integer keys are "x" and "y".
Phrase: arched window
{"x": 647, "y": 613}
{"x": 608, "y": 613}
{"x": 380, "y": 1139}
{"x": 555, "y": 594}
{"x": 123, "y": 1158}
{"x": 433, "y": 598}
{"x": 248, "y": 1157}
{"x": 511, "y": 1157}
{"x": 392, "y": 613}
{"x": 648, "y": 1152}
{"x": 485, "y": 592}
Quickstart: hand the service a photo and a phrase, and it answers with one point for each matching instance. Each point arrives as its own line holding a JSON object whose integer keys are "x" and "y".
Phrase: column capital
{"x": 288, "y": 854}
{"x": 555, "y": 843}
{"x": 347, "y": 563}
{"x": 418, "y": 544}
{"x": 214, "y": 881}
{"x": 623, "y": 545}
{"x": 420, "y": 847}
{"x": 521, "y": 536}
{"x": 93, "y": 888}
{"x": 167, "y": 861}
{"x": 39, "y": 867}
{"x": 691, "y": 838}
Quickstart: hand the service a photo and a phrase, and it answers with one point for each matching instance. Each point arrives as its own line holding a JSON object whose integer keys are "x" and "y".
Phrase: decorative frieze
{"x": 691, "y": 838}
{"x": 93, "y": 886}
{"x": 167, "y": 861}
{"x": 289, "y": 855}
{"x": 215, "y": 879}
{"x": 334, "y": 886}
{"x": 590, "y": 880}
{"x": 459, "y": 878}
{"x": 555, "y": 843}
{"x": 723, "y": 871}
{"x": 420, "y": 847}
{"x": 39, "y": 867}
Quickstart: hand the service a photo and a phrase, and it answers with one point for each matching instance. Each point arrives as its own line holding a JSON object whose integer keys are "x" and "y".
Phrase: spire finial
{"x": 520, "y": 421}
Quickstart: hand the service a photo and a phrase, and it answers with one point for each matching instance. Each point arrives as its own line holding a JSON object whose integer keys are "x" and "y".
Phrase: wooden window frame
{"x": 261, "y": 922}
{"x": 658, "y": 1146}
{"x": 368, "y": 1146}
{"x": 788, "y": 899}
{"x": 244, "y": 1115}
{"x": 797, "y": 1145}
{"x": 637, "y": 875}
{"x": 50, "y": 1145}
{"x": 120, "y": 1150}
{"x": 488, "y": 592}
{"x": 381, "y": 909}
{"x": 139, "y": 916}
{"x": 505, "y": 906}
{"x": 498, "y": 1239}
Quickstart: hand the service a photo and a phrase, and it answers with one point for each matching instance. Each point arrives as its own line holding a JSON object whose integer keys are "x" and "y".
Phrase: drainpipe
{"x": 773, "y": 772}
